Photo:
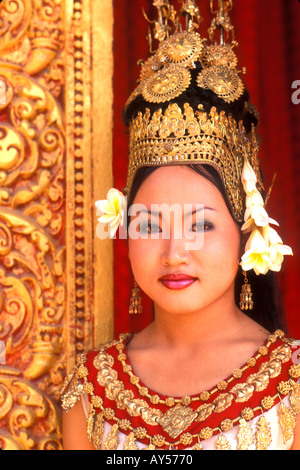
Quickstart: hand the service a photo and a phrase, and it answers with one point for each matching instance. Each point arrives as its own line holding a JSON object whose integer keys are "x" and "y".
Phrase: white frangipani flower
{"x": 256, "y": 256}
{"x": 249, "y": 178}
{"x": 111, "y": 212}
{"x": 277, "y": 250}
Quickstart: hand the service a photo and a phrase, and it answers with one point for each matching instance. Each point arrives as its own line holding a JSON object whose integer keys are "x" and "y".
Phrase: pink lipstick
{"x": 177, "y": 281}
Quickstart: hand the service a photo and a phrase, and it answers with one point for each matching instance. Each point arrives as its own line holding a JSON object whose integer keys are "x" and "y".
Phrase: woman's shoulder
{"x": 88, "y": 364}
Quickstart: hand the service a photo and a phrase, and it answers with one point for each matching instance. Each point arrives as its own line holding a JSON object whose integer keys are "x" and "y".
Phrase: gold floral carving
{"x": 32, "y": 419}
{"x": 32, "y": 219}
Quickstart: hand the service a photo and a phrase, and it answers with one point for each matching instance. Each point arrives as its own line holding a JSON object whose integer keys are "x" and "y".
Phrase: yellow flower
{"x": 256, "y": 214}
{"x": 249, "y": 178}
{"x": 257, "y": 255}
{"x": 111, "y": 212}
{"x": 264, "y": 250}
{"x": 277, "y": 249}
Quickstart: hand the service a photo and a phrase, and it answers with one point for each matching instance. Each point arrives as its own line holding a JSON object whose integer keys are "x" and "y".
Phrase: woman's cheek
{"x": 221, "y": 251}
{"x": 143, "y": 255}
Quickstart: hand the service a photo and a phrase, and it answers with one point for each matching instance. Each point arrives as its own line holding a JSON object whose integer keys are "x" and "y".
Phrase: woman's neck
{"x": 213, "y": 323}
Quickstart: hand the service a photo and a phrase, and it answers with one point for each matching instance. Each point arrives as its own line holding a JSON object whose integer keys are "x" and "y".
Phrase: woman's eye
{"x": 149, "y": 228}
{"x": 204, "y": 226}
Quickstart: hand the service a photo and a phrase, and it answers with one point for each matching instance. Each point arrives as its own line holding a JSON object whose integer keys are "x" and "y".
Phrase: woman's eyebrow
{"x": 158, "y": 214}
{"x": 149, "y": 212}
{"x": 199, "y": 209}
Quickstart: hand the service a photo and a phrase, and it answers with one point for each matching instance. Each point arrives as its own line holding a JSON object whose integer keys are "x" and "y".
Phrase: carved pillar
{"x": 55, "y": 160}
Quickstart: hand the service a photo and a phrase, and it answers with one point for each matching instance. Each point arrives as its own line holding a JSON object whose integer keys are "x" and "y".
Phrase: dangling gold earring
{"x": 135, "y": 307}
{"x": 246, "y": 302}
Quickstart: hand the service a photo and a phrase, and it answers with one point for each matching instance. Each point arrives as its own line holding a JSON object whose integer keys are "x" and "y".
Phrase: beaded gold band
{"x": 205, "y": 395}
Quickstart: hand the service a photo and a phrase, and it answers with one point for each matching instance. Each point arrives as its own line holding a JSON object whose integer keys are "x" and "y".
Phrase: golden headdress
{"x": 191, "y": 106}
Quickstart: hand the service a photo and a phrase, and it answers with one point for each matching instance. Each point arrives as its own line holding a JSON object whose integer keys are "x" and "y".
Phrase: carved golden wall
{"x": 55, "y": 161}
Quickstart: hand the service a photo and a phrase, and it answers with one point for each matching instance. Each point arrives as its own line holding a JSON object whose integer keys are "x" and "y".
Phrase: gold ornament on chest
{"x": 177, "y": 419}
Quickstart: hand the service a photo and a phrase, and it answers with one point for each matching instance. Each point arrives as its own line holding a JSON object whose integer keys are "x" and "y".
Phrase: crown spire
{"x": 168, "y": 21}
{"x": 222, "y": 20}
{"x": 161, "y": 28}
{"x": 191, "y": 12}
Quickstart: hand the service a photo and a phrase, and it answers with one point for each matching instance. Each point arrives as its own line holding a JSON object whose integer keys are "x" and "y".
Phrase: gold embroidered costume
{"x": 255, "y": 407}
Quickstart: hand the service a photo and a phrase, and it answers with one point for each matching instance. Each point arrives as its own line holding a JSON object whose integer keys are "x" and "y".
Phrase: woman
{"x": 199, "y": 335}
{"x": 204, "y": 374}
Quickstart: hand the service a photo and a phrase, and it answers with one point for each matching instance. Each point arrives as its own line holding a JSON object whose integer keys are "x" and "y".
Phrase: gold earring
{"x": 246, "y": 302}
{"x": 135, "y": 307}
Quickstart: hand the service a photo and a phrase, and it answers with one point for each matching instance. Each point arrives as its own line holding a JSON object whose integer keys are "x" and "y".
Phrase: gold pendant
{"x": 90, "y": 423}
{"x": 150, "y": 447}
{"x": 98, "y": 431}
{"x": 222, "y": 443}
{"x": 177, "y": 419}
{"x": 198, "y": 446}
{"x": 135, "y": 307}
{"x": 245, "y": 436}
{"x": 130, "y": 442}
{"x": 246, "y": 302}
{"x": 112, "y": 440}
{"x": 263, "y": 434}
{"x": 295, "y": 398}
{"x": 287, "y": 422}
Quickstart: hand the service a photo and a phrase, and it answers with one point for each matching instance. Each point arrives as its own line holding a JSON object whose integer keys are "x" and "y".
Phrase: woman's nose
{"x": 175, "y": 253}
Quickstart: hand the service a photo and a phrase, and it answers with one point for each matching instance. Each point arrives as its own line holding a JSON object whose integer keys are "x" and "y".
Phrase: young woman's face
{"x": 178, "y": 273}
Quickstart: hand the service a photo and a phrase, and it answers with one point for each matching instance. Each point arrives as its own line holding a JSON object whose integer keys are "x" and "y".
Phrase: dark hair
{"x": 268, "y": 309}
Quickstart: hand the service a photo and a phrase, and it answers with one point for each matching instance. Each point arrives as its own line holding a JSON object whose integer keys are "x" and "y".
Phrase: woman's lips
{"x": 177, "y": 281}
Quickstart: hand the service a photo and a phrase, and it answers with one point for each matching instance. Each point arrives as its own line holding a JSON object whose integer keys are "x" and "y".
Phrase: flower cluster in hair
{"x": 264, "y": 249}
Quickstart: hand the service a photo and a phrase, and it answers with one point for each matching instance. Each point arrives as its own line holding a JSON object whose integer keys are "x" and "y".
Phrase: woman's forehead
{"x": 178, "y": 184}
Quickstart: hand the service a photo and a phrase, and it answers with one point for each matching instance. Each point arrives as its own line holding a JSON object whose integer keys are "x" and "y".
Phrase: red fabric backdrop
{"x": 268, "y": 33}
